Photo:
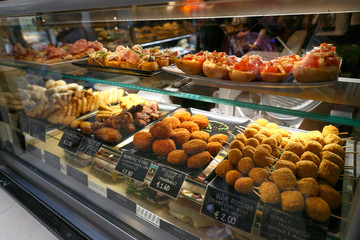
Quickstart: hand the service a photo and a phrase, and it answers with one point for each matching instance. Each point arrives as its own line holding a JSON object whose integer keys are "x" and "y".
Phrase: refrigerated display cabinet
{"x": 81, "y": 187}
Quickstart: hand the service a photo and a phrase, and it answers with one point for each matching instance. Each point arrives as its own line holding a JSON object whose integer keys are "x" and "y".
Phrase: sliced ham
{"x": 56, "y": 52}
{"x": 131, "y": 57}
{"x": 97, "y": 46}
{"x": 78, "y": 47}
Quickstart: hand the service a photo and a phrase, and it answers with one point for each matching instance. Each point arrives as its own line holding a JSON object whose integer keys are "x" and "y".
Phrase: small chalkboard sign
{"x": 70, "y": 140}
{"x": 38, "y": 130}
{"x": 23, "y": 123}
{"x": 133, "y": 166}
{"x": 168, "y": 181}
{"x": 89, "y": 146}
{"x": 121, "y": 200}
{"x": 52, "y": 160}
{"x": 234, "y": 210}
{"x": 77, "y": 175}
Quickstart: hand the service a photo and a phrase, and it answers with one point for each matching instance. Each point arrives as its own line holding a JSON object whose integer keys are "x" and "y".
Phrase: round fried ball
{"x": 262, "y": 157}
{"x": 223, "y": 167}
{"x": 177, "y": 157}
{"x": 269, "y": 193}
{"x": 143, "y": 141}
{"x": 194, "y": 146}
{"x": 295, "y": 147}
{"x": 232, "y": 176}
{"x": 260, "y": 137}
{"x": 199, "y": 160}
{"x": 214, "y": 148}
{"x": 173, "y": 121}
{"x": 160, "y": 130}
{"x": 162, "y": 147}
{"x": 182, "y": 115}
{"x": 315, "y": 136}
{"x": 329, "y": 171}
{"x": 305, "y": 169}
{"x": 255, "y": 125}
{"x": 272, "y": 126}
{"x": 335, "y": 148}
{"x": 330, "y": 195}
{"x": 259, "y": 175}
{"x": 284, "y": 132}
{"x": 234, "y": 155}
{"x": 311, "y": 157}
{"x": 332, "y": 138}
{"x": 200, "y": 120}
{"x": 289, "y": 156}
{"x": 317, "y": 209}
{"x": 330, "y": 129}
{"x": 271, "y": 142}
{"x": 245, "y": 164}
{"x": 332, "y": 157}
{"x": 278, "y": 138}
{"x": 262, "y": 122}
{"x": 237, "y": 144}
{"x": 250, "y": 132}
{"x": 265, "y": 131}
{"x": 313, "y": 146}
{"x": 308, "y": 187}
{"x": 264, "y": 146}
{"x": 285, "y": 164}
{"x": 200, "y": 135}
{"x": 292, "y": 201}
{"x": 248, "y": 151}
{"x": 190, "y": 126}
{"x": 180, "y": 136}
{"x": 244, "y": 185}
{"x": 284, "y": 178}
{"x": 252, "y": 142}
{"x": 220, "y": 137}
{"x": 241, "y": 137}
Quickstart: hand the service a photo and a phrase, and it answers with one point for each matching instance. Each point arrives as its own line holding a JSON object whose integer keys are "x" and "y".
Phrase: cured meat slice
{"x": 78, "y": 47}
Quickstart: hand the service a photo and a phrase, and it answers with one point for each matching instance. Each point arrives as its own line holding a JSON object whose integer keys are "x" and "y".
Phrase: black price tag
{"x": 70, "y": 141}
{"x": 23, "y": 123}
{"x": 231, "y": 209}
{"x": 37, "y": 130}
{"x": 77, "y": 175}
{"x": 89, "y": 146}
{"x": 52, "y": 160}
{"x": 35, "y": 151}
{"x": 133, "y": 166}
{"x": 168, "y": 181}
{"x": 4, "y": 116}
{"x": 18, "y": 142}
{"x": 176, "y": 232}
{"x": 121, "y": 200}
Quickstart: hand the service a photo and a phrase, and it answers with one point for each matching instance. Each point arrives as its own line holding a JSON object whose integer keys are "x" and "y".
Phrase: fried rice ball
{"x": 269, "y": 193}
{"x": 199, "y": 160}
{"x": 241, "y": 137}
{"x": 252, "y": 142}
{"x": 173, "y": 121}
{"x": 272, "y": 126}
{"x": 214, "y": 148}
{"x": 234, "y": 155}
{"x": 330, "y": 129}
{"x": 244, "y": 185}
{"x": 335, "y": 148}
{"x": 271, "y": 142}
{"x": 285, "y": 164}
{"x": 332, "y": 138}
{"x": 180, "y": 136}
{"x": 162, "y": 147}
{"x": 262, "y": 122}
{"x": 317, "y": 209}
{"x": 315, "y": 136}
{"x": 292, "y": 201}
{"x": 245, "y": 164}
{"x": 330, "y": 195}
{"x": 200, "y": 135}
{"x": 295, "y": 147}
{"x": 259, "y": 175}
{"x": 265, "y": 131}
{"x": 329, "y": 171}
{"x": 255, "y": 125}
{"x": 177, "y": 157}
{"x": 284, "y": 132}
{"x": 237, "y": 144}
{"x": 160, "y": 130}
{"x": 264, "y": 146}
{"x": 314, "y": 147}
{"x": 278, "y": 138}
{"x": 248, "y": 151}
{"x": 276, "y": 152}
{"x": 220, "y": 137}
{"x": 262, "y": 158}
{"x": 223, "y": 167}
{"x": 332, "y": 157}
{"x": 289, "y": 156}
{"x": 182, "y": 115}
{"x": 260, "y": 137}
{"x": 200, "y": 120}
{"x": 250, "y": 132}
{"x": 284, "y": 178}
{"x": 190, "y": 126}
{"x": 306, "y": 168}
{"x": 308, "y": 187}
{"x": 232, "y": 176}
{"x": 143, "y": 141}
{"x": 194, "y": 146}
{"x": 300, "y": 135}
{"x": 311, "y": 157}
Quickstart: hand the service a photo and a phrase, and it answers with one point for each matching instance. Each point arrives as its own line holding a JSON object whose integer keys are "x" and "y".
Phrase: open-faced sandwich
{"x": 217, "y": 64}
{"x": 191, "y": 63}
{"x": 278, "y": 69}
{"x": 247, "y": 69}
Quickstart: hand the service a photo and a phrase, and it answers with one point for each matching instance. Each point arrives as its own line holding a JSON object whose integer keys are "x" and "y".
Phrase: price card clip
{"x": 70, "y": 140}
{"x": 133, "y": 166}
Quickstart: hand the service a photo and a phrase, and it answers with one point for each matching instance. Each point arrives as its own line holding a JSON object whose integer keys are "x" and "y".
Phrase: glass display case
{"x": 106, "y": 135}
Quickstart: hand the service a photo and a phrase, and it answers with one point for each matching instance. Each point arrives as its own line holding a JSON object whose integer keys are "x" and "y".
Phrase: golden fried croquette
{"x": 143, "y": 141}
{"x": 308, "y": 187}
{"x": 194, "y": 146}
{"x": 284, "y": 132}
{"x": 332, "y": 138}
{"x": 177, "y": 157}
{"x": 289, "y": 156}
{"x": 68, "y": 120}
{"x": 265, "y": 131}
{"x": 311, "y": 157}
{"x": 284, "y": 178}
{"x": 200, "y": 120}
{"x": 237, "y": 144}
{"x": 245, "y": 164}
{"x": 262, "y": 122}
{"x": 220, "y": 137}
{"x": 271, "y": 142}
{"x": 285, "y": 164}
{"x": 252, "y": 142}
{"x": 108, "y": 135}
{"x": 160, "y": 130}
{"x": 234, "y": 155}
{"x": 315, "y": 136}
{"x": 269, "y": 193}
{"x": 299, "y": 135}
{"x": 272, "y": 126}
{"x": 255, "y": 125}
{"x": 173, "y": 121}
{"x": 85, "y": 128}
{"x": 223, "y": 167}
{"x": 248, "y": 151}
{"x": 335, "y": 148}
{"x": 262, "y": 157}
{"x": 306, "y": 168}
{"x": 200, "y": 135}
{"x": 259, "y": 175}
{"x": 162, "y": 147}
{"x": 296, "y": 147}
{"x": 330, "y": 195}
{"x": 231, "y": 177}
{"x": 330, "y": 129}
{"x": 199, "y": 160}
{"x": 332, "y": 157}
{"x": 276, "y": 152}
{"x": 317, "y": 209}
{"x": 190, "y": 126}
{"x": 214, "y": 148}
{"x": 265, "y": 146}
{"x": 244, "y": 185}
{"x": 241, "y": 137}
{"x": 329, "y": 171}
{"x": 260, "y": 137}
{"x": 180, "y": 136}
{"x": 292, "y": 201}
{"x": 278, "y": 138}
{"x": 250, "y": 132}
{"x": 182, "y": 115}
{"x": 314, "y": 147}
